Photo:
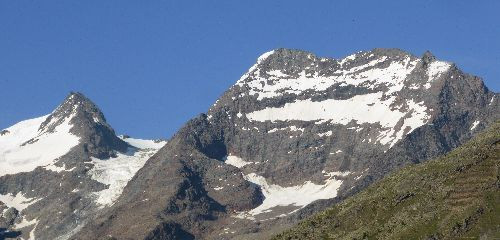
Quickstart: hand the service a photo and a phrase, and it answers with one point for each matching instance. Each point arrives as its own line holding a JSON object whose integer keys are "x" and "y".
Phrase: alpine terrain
{"x": 297, "y": 133}
{"x": 456, "y": 196}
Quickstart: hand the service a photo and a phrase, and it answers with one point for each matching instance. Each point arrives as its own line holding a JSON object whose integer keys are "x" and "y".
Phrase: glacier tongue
{"x": 116, "y": 172}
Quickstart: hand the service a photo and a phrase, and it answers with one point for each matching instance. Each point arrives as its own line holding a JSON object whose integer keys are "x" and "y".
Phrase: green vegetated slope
{"x": 456, "y": 196}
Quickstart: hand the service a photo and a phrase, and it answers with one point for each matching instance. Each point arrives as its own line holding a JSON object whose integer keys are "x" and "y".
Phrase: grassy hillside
{"x": 456, "y": 196}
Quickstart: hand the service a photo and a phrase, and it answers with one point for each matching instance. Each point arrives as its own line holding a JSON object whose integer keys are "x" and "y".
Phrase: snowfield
{"x": 18, "y": 155}
{"x": 298, "y": 196}
{"x": 117, "y": 172}
{"x": 18, "y": 201}
{"x": 368, "y": 108}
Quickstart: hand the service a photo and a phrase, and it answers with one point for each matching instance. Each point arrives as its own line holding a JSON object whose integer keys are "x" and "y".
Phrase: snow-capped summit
{"x": 77, "y": 106}
{"x": 89, "y": 124}
{"x": 68, "y": 157}
{"x": 41, "y": 141}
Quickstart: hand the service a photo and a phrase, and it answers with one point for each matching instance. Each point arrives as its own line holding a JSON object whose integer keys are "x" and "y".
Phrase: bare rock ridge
{"x": 295, "y": 134}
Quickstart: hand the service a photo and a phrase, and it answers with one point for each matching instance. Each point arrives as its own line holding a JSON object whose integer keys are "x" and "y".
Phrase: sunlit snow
{"x": 25, "y": 223}
{"x": 18, "y": 201}
{"x": 299, "y": 196}
{"x": 325, "y": 134}
{"x": 474, "y": 125}
{"x": 236, "y": 161}
{"x": 117, "y": 172}
{"x": 392, "y": 76}
{"x": 19, "y": 155}
{"x": 373, "y": 108}
{"x": 435, "y": 70}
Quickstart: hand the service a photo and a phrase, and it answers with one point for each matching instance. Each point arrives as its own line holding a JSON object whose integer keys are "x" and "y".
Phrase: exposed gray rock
{"x": 179, "y": 181}
{"x": 207, "y": 181}
{"x": 9, "y": 217}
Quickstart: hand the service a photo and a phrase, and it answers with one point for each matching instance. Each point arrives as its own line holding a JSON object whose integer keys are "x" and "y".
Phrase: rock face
{"x": 455, "y": 196}
{"x": 294, "y": 135}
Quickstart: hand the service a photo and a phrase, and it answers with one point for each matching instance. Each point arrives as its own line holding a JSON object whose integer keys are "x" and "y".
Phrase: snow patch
{"x": 32, "y": 233}
{"x": 336, "y": 174}
{"x": 254, "y": 67}
{"x": 435, "y": 70}
{"x": 474, "y": 125}
{"x": 368, "y": 108}
{"x": 236, "y": 161}
{"x": 338, "y": 151}
{"x": 25, "y": 223}
{"x": 300, "y": 195}
{"x": 325, "y": 134}
{"x": 144, "y": 144}
{"x": 54, "y": 168}
{"x": 19, "y": 201}
{"x": 27, "y": 147}
{"x": 290, "y": 128}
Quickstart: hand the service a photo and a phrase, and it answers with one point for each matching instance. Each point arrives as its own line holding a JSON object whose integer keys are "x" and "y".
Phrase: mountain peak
{"x": 88, "y": 123}
{"x": 76, "y": 108}
{"x": 283, "y": 55}
{"x": 77, "y": 98}
{"x": 428, "y": 57}
{"x": 295, "y": 59}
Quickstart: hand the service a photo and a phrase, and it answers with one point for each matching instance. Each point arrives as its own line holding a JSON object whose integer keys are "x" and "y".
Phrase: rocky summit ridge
{"x": 294, "y": 135}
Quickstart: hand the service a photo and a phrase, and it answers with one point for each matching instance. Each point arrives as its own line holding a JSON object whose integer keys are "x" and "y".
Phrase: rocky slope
{"x": 456, "y": 196}
{"x": 295, "y": 134}
{"x": 59, "y": 170}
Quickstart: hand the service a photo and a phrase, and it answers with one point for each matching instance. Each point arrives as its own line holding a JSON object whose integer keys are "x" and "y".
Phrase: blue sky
{"x": 152, "y": 65}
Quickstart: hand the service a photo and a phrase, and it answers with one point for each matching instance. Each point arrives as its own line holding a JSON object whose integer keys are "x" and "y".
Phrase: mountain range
{"x": 296, "y": 134}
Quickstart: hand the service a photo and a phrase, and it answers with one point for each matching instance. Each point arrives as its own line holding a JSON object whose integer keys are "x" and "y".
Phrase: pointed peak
{"x": 76, "y": 103}
{"x": 75, "y": 107}
{"x": 88, "y": 123}
{"x": 428, "y": 57}
{"x": 77, "y": 98}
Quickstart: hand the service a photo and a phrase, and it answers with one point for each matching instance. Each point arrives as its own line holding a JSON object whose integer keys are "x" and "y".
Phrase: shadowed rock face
{"x": 294, "y": 135}
{"x": 295, "y": 120}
